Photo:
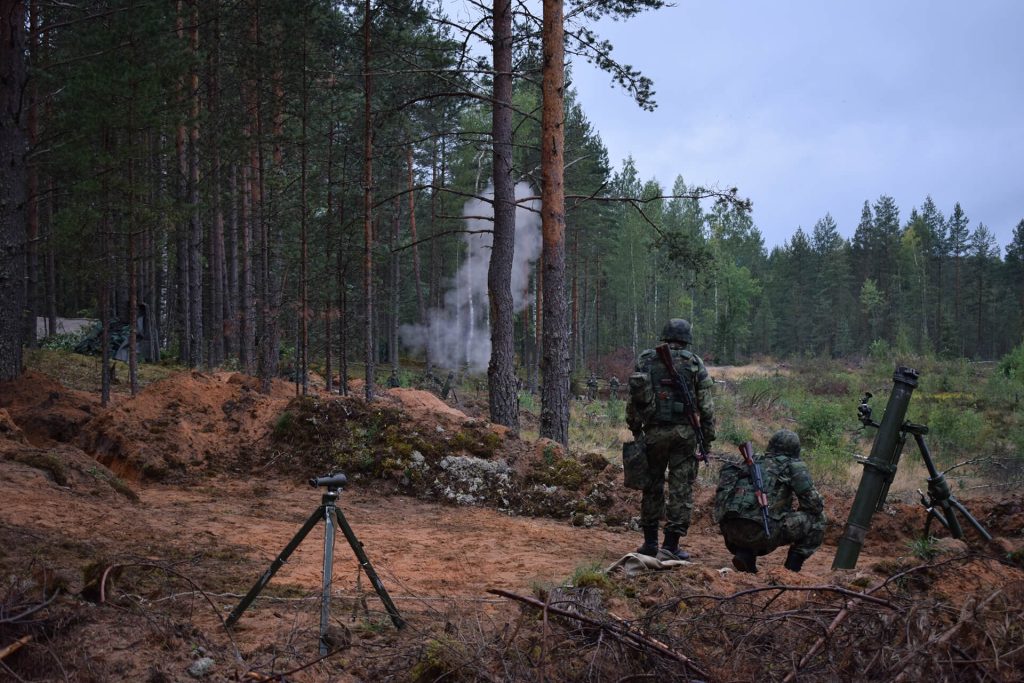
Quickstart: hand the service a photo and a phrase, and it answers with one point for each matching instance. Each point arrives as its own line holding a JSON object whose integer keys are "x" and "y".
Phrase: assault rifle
{"x": 689, "y": 404}
{"x": 755, "y": 475}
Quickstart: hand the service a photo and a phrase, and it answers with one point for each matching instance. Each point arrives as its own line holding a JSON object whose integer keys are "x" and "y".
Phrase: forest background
{"x": 297, "y": 186}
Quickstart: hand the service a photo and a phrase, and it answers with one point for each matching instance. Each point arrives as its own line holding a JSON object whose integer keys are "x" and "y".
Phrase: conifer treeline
{"x": 930, "y": 283}
{"x": 206, "y": 159}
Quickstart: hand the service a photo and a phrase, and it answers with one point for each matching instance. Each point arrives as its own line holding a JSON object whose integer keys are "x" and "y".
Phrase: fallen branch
{"x": 30, "y": 611}
{"x": 15, "y": 646}
{"x": 846, "y": 611}
{"x": 613, "y": 629}
{"x": 828, "y": 589}
{"x": 967, "y": 613}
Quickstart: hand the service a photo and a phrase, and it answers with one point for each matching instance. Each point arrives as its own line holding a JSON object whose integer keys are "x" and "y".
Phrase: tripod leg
{"x": 325, "y": 596}
{"x": 970, "y": 518}
{"x": 275, "y": 565}
{"x": 364, "y": 562}
{"x": 955, "y": 530}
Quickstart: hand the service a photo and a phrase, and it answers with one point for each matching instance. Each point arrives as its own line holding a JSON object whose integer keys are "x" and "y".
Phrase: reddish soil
{"x": 196, "y": 524}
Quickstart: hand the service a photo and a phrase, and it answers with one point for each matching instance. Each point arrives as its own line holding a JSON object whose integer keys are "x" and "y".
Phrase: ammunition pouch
{"x": 669, "y": 407}
{"x": 642, "y": 395}
{"x": 634, "y": 464}
{"x": 668, "y": 410}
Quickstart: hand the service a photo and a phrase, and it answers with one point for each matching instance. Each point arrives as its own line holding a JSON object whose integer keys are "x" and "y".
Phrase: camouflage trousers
{"x": 668, "y": 452}
{"x": 801, "y": 531}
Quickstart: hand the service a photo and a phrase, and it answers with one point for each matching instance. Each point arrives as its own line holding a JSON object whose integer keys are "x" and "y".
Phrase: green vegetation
{"x": 442, "y": 659}
{"x": 590, "y": 576}
{"x": 77, "y": 371}
{"x": 925, "y": 548}
{"x": 972, "y": 411}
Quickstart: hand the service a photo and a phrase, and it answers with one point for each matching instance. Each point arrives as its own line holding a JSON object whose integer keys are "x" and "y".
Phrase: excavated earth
{"x": 128, "y": 532}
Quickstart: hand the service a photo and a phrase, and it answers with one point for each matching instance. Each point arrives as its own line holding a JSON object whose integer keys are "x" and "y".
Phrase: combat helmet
{"x": 785, "y": 442}
{"x": 677, "y": 330}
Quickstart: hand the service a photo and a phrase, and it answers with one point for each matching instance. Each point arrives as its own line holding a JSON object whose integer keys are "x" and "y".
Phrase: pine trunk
{"x": 554, "y": 417}
{"x": 370, "y": 356}
{"x": 395, "y": 284}
{"x": 13, "y": 185}
{"x": 503, "y": 405}
{"x": 195, "y": 252}
{"x": 421, "y": 309}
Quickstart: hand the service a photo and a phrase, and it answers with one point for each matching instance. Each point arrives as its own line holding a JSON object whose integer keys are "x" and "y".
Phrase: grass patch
{"x": 77, "y": 371}
{"x": 590, "y": 576}
{"x": 925, "y": 548}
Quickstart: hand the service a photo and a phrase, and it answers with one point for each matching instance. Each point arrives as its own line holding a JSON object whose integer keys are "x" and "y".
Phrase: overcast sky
{"x": 811, "y": 107}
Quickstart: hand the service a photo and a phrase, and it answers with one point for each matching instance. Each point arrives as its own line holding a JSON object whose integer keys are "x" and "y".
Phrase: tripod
{"x": 940, "y": 503}
{"x": 330, "y": 513}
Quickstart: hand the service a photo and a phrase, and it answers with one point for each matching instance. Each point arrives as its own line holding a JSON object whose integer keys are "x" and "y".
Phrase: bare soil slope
{"x": 125, "y": 541}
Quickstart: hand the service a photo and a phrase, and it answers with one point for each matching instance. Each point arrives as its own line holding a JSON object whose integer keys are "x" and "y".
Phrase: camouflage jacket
{"x": 646, "y": 407}
{"x": 785, "y": 477}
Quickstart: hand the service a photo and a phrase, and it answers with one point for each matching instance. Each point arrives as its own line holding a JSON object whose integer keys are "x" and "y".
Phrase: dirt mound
{"x": 184, "y": 425}
{"x": 9, "y": 430}
{"x": 45, "y": 410}
{"x": 424, "y": 407}
{"x": 414, "y": 444}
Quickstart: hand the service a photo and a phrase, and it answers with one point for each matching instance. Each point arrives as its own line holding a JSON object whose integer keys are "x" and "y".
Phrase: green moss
{"x": 283, "y": 426}
{"x": 46, "y": 461}
{"x": 441, "y": 659}
{"x": 590, "y": 576}
{"x": 565, "y": 472}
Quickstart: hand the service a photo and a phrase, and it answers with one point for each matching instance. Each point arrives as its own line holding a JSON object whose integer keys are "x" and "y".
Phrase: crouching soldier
{"x": 739, "y": 516}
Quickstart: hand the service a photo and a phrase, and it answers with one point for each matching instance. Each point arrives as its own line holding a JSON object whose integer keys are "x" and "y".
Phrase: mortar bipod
{"x": 940, "y": 502}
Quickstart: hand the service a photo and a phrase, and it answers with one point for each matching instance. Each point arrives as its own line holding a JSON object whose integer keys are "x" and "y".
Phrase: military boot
{"x": 745, "y": 561}
{"x": 671, "y": 547}
{"x": 794, "y": 562}
{"x": 650, "y": 546}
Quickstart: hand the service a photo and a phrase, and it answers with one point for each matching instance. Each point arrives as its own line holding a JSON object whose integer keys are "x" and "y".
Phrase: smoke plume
{"x": 458, "y": 335}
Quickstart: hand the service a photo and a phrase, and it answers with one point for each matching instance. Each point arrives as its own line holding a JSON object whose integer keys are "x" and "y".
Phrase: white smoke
{"x": 458, "y": 334}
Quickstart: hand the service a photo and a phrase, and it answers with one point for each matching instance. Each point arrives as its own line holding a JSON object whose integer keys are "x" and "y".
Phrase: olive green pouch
{"x": 634, "y": 464}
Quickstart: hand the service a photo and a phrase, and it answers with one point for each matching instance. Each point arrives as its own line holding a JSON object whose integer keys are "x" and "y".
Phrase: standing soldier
{"x": 739, "y": 516}
{"x": 655, "y": 415}
{"x": 591, "y": 387}
{"x": 449, "y": 387}
{"x": 613, "y": 387}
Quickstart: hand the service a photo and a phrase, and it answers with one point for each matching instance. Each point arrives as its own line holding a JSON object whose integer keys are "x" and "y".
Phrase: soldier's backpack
{"x": 641, "y": 394}
{"x": 735, "y": 497}
{"x": 668, "y": 405}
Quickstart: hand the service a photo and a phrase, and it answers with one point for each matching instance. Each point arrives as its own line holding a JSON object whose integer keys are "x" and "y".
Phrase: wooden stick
{"x": 846, "y": 611}
{"x": 614, "y": 629}
{"x": 15, "y": 646}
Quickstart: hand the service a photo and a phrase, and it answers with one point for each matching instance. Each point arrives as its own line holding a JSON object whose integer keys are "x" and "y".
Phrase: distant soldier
{"x": 393, "y": 380}
{"x": 654, "y": 413}
{"x": 613, "y": 387}
{"x": 448, "y": 387}
{"x": 591, "y": 387}
{"x": 739, "y": 516}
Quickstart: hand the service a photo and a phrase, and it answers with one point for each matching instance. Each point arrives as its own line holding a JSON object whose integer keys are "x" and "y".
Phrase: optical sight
{"x": 331, "y": 481}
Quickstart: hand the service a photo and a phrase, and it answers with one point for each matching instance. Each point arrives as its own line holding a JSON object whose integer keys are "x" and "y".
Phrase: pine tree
{"x": 1014, "y": 280}
{"x": 958, "y": 231}
{"x": 13, "y": 185}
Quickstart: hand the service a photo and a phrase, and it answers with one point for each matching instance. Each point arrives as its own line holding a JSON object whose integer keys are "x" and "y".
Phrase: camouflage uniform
{"x": 613, "y": 387}
{"x": 785, "y": 477}
{"x": 671, "y": 444}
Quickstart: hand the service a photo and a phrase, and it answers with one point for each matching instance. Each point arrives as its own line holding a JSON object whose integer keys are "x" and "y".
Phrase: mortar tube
{"x": 879, "y": 469}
